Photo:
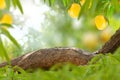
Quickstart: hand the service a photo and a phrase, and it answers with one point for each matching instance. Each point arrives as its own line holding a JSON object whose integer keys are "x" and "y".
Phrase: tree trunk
{"x": 46, "y": 58}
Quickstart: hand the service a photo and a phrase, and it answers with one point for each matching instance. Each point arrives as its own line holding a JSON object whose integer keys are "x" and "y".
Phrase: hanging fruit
{"x": 7, "y": 18}
{"x": 74, "y": 10}
{"x": 100, "y": 22}
{"x": 2, "y": 4}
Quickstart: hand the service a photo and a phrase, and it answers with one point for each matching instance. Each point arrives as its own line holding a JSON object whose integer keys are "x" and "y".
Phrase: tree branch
{"x": 111, "y": 45}
{"x": 46, "y": 58}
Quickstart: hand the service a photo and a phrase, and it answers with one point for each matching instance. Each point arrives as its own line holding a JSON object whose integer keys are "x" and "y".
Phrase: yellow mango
{"x": 74, "y": 10}
{"x": 100, "y": 22}
{"x": 2, "y": 4}
{"x": 7, "y": 18}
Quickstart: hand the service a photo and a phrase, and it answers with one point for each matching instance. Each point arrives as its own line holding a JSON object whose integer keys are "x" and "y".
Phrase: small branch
{"x": 112, "y": 44}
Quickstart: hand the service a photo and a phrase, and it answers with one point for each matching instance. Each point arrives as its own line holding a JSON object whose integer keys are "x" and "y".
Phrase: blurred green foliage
{"x": 3, "y": 27}
{"x": 62, "y": 30}
{"x": 69, "y": 32}
{"x": 91, "y": 7}
{"x": 101, "y": 67}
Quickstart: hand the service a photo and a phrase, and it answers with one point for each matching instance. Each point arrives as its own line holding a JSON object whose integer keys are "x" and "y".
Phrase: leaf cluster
{"x": 91, "y": 7}
{"x": 4, "y": 31}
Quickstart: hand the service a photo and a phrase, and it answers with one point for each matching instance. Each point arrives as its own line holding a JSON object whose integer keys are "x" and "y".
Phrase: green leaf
{"x": 1, "y": 14}
{"x": 44, "y": 1}
{"x": 3, "y": 51}
{"x": 14, "y": 3}
{"x": 64, "y": 3}
{"x": 93, "y": 6}
{"x": 84, "y": 8}
{"x": 5, "y": 24}
{"x": 8, "y": 4}
{"x": 115, "y": 4}
{"x": 76, "y": 1}
{"x": 52, "y": 2}
{"x": 67, "y": 2}
{"x": 19, "y": 6}
{"x": 7, "y": 34}
{"x": 110, "y": 11}
{"x": 49, "y": 2}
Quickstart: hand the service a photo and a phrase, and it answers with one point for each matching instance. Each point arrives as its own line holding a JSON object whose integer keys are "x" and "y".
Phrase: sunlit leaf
{"x": 50, "y": 2}
{"x": 3, "y": 51}
{"x": 84, "y": 8}
{"x": 93, "y": 6}
{"x": 115, "y": 23}
{"x": 44, "y": 1}
{"x": 8, "y": 4}
{"x": 115, "y": 3}
{"x": 82, "y": 2}
{"x": 4, "y": 24}
{"x": 110, "y": 11}
{"x": 7, "y": 34}
{"x": 19, "y": 6}
{"x": 14, "y": 3}
{"x": 64, "y": 3}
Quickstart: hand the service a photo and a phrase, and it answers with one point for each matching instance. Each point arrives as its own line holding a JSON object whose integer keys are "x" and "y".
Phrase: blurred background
{"x": 44, "y": 26}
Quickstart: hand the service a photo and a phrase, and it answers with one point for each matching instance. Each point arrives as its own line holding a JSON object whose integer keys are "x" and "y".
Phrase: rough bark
{"x": 112, "y": 44}
{"x": 46, "y": 58}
